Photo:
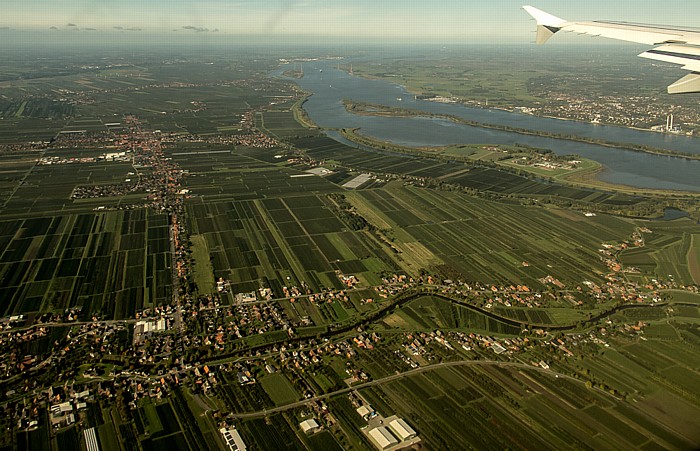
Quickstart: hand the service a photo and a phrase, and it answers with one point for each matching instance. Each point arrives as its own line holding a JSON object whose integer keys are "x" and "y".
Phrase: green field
{"x": 110, "y": 264}
{"x": 527, "y": 408}
{"x": 694, "y": 259}
{"x": 203, "y": 270}
{"x": 280, "y": 389}
{"x": 470, "y": 296}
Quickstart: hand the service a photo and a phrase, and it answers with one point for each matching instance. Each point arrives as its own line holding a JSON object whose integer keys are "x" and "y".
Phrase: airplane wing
{"x": 674, "y": 45}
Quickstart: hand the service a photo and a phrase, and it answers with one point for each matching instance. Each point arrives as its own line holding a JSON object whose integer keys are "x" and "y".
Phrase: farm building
{"x": 402, "y": 430}
{"x": 382, "y": 438}
{"x": 365, "y": 412}
{"x": 91, "y": 440}
{"x": 233, "y": 439}
{"x": 309, "y": 426}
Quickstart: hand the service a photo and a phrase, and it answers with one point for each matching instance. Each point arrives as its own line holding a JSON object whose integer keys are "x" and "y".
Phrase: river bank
{"x": 585, "y": 176}
{"x": 371, "y": 109}
{"x": 633, "y": 170}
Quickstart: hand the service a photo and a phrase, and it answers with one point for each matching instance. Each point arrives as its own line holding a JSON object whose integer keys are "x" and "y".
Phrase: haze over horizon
{"x": 306, "y": 21}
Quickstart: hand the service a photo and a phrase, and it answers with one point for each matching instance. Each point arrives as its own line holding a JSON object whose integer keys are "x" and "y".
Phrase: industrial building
{"x": 146, "y": 327}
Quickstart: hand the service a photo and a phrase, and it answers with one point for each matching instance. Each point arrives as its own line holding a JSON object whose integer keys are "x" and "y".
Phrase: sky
{"x": 407, "y": 21}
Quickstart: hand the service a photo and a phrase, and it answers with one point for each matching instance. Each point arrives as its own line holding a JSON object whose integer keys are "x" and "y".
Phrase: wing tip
{"x": 544, "y": 18}
{"x": 547, "y": 24}
{"x": 686, "y": 85}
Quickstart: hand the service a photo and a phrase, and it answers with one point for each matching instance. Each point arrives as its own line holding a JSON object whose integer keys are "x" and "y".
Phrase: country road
{"x": 393, "y": 377}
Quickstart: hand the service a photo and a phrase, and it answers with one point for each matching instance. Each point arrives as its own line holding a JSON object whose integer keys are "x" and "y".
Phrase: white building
{"x": 145, "y": 327}
{"x": 61, "y": 409}
{"x": 309, "y": 426}
{"x": 402, "y": 430}
{"x": 91, "y": 440}
{"x": 364, "y": 412}
{"x": 233, "y": 439}
{"x": 382, "y": 438}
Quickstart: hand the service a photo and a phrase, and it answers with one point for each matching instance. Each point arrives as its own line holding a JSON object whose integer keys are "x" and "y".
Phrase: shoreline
{"x": 586, "y": 178}
{"x": 370, "y": 109}
{"x": 465, "y": 102}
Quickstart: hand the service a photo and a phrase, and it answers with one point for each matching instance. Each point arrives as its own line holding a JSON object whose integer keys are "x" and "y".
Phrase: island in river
{"x": 634, "y": 169}
{"x": 371, "y": 109}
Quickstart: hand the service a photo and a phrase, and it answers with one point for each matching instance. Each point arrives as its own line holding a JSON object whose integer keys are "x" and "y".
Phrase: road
{"x": 177, "y": 317}
{"x": 393, "y": 377}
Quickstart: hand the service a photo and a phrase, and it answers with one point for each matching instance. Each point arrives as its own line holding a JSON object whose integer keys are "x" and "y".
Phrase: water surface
{"x": 331, "y": 86}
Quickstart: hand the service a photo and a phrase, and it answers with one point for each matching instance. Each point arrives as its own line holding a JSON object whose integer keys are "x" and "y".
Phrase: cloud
{"x": 53, "y": 28}
{"x": 4, "y": 28}
{"x": 90, "y": 29}
{"x": 133, "y": 29}
{"x": 118, "y": 28}
{"x": 199, "y": 29}
{"x": 196, "y": 29}
{"x": 71, "y": 25}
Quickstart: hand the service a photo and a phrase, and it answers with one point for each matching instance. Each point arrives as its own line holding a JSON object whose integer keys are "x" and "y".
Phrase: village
{"x": 65, "y": 365}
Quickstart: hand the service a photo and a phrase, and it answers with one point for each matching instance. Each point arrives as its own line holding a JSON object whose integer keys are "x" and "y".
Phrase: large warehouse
{"x": 382, "y": 437}
{"x": 402, "y": 430}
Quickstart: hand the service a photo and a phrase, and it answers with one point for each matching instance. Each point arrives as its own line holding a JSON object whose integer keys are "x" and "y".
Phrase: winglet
{"x": 688, "y": 84}
{"x": 547, "y": 24}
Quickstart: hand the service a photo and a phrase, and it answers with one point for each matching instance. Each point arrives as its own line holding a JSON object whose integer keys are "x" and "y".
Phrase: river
{"x": 331, "y": 86}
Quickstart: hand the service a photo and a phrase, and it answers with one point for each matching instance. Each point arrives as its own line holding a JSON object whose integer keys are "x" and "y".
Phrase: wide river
{"x": 331, "y": 86}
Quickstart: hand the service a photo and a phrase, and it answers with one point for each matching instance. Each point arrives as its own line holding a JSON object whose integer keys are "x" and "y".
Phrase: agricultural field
{"x": 471, "y": 177}
{"x": 429, "y": 314}
{"x": 274, "y": 432}
{"x": 35, "y": 190}
{"x": 109, "y": 264}
{"x": 670, "y": 250}
{"x": 13, "y": 130}
{"x": 266, "y": 223}
{"x": 501, "y": 406}
{"x": 283, "y": 125}
{"x": 472, "y": 78}
{"x": 429, "y": 288}
{"x": 493, "y": 242}
{"x": 104, "y": 255}
{"x": 429, "y": 228}
{"x": 657, "y": 373}
{"x": 170, "y": 425}
{"x": 279, "y": 389}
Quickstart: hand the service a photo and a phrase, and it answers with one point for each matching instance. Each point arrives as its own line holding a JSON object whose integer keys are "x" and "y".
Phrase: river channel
{"x": 331, "y": 86}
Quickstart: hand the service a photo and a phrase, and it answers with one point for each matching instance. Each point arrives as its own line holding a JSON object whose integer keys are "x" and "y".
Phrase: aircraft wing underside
{"x": 674, "y": 45}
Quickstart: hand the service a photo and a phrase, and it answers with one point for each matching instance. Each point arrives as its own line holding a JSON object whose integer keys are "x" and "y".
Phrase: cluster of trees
{"x": 347, "y": 213}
